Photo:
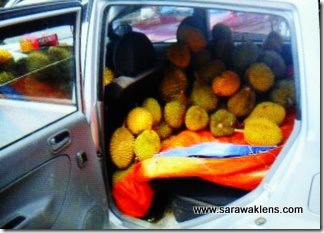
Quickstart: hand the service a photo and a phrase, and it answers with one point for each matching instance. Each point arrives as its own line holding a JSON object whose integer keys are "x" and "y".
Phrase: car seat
{"x": 134, "y": 54}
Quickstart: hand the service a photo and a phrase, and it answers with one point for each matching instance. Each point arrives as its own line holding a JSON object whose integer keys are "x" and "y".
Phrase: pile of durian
{"x": 53, "y": 65}
{"x": 218, "y": 86}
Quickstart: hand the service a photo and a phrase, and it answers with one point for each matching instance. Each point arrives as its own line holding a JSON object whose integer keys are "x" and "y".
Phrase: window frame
{"x": 24, "y": 14}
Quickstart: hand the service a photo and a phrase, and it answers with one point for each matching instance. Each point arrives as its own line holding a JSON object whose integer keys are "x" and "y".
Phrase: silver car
{"x": 75, "y": 155}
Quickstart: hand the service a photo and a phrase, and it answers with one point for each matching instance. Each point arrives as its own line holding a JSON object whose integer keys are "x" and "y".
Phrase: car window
{"x": 37, "y": 74}
{"x": 249, "y": 26}
{"x": 159, "y": 23}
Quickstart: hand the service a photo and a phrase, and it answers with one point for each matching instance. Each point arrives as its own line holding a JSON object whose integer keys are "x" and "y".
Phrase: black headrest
{"x": 134, "y": 54}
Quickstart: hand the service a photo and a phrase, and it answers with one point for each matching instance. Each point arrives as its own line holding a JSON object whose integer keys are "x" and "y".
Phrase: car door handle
{"x": 59, "y": 141}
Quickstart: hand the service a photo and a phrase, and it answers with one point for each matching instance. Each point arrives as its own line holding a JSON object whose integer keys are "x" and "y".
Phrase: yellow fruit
{"x": 174, "y": 113}
{"x": 163, "y": 130}
{"x": 222, "y": 123}
{"x": 260, "y": 77}
{"x": 153, "y": 106}
{"x": 146, "y": 145}
{"x": 138, "y": 120}
{"x": 108, "y": 76}
{"x": 5, "y": 56}
{"x": 273, "y": 111}
{"x": 121, "y": 147}
{"x": 179, "y": 55}
{"x": 203, "y": 96}
{"x": 284, "y": 93}
{"x": 120, "y": 174}
{"x": 196, "y": 118}
{"x": 174, "y": 82}
{"x": 262, "y": 132}
{"x": 242, "y": 103}
{"x": 192, "y": 37}
{"x": 226, "y": 84}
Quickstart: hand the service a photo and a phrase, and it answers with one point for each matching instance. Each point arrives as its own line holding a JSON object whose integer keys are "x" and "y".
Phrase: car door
{"x": 50, "y": 175}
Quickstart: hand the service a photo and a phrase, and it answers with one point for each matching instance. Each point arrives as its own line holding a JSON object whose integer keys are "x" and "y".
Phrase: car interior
{"x": 137, "y": 63}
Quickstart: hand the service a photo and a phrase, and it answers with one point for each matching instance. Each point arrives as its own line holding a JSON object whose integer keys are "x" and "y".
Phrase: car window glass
{"x": 159, "y": 23}
{"x": 249, "y": 26}
{"x": 37, "y": 74}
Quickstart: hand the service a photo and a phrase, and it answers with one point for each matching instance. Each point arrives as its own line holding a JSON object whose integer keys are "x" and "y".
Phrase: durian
{"x": 153, "y": 106}
{"x": 146, "y": 145}
{"x": 121, "y": 147}
{"x": 203, "y": 96}
{"x": 37, "y": 62}
{"x": 273, "y": 111}
{"x": 222, "y": 123}
{"x": 6, "y": 77}
{"x": 163, "y": 130}
{"x": 226, "y": 84}
{"x": 174, "y": 82}
{"x": 262, "y": 132}
{"x": 192, "y": 37}
{"x": 260, "y": 76}
{"x": 108, "y": 76}
{"x": 244, "y": 55}
{"x": 138, "y": 120}
{"x": 284, "y": 93}
{"x": 174, "y": 113}
{"x": 179, "y": 55}
{"x": 243, "y": 102}
{"x": 196, "y": 118}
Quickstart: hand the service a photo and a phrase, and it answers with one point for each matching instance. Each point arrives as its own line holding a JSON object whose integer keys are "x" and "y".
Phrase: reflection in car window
{"x": 37, "y": 75}
{"x": 249, "y": 26}
{"x": 38, "y": 65}
{"x": 159, "y": 23}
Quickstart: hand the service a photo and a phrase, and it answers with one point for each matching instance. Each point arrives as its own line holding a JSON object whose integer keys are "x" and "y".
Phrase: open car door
{"x": 50, "y": 175}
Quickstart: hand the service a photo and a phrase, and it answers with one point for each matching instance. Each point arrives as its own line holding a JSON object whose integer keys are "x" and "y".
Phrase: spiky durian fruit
{"x": 222, "y": 123}
{"x": 138, "y": 120}
{"x": 57, "y": 53}
{"x": 5, "y": 77}
{"x": 284, "y": 93}
{"x": 5, "y": 56}
{"x": 174, "y": 113}
{"x": 221, "y": 31}
{"x": 146, "y": 145}
{"x": 120, "y": 174}
{"x": 242, "y": 103}
{"x": 226, "y": 84}
{"x": 192, "y": 37}
{"x": 273, "y": 111}
{"x": 262, "y": 132}
{"x": 274, "y": 41}
{"x": 36, "y": 62}
{"x": 196, "y": 118}
{"x": 210, "y": 70}
{"x": 153, "y": 106}
{"x": 108, "y": 76}
{"x": 260, "y": 77}
{"x": 179, "y": 55}
{"x": 121, "y": 147}
{"x": 163, "y": 130}
{"x": 274, "y": 61}
{"x": 174, "y": 82}
{"x": 244, "y": 55}
{"x": 203, "y": 96}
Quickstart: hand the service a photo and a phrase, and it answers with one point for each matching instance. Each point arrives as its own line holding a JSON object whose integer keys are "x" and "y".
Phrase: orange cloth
{"x": 133, "y": 194}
